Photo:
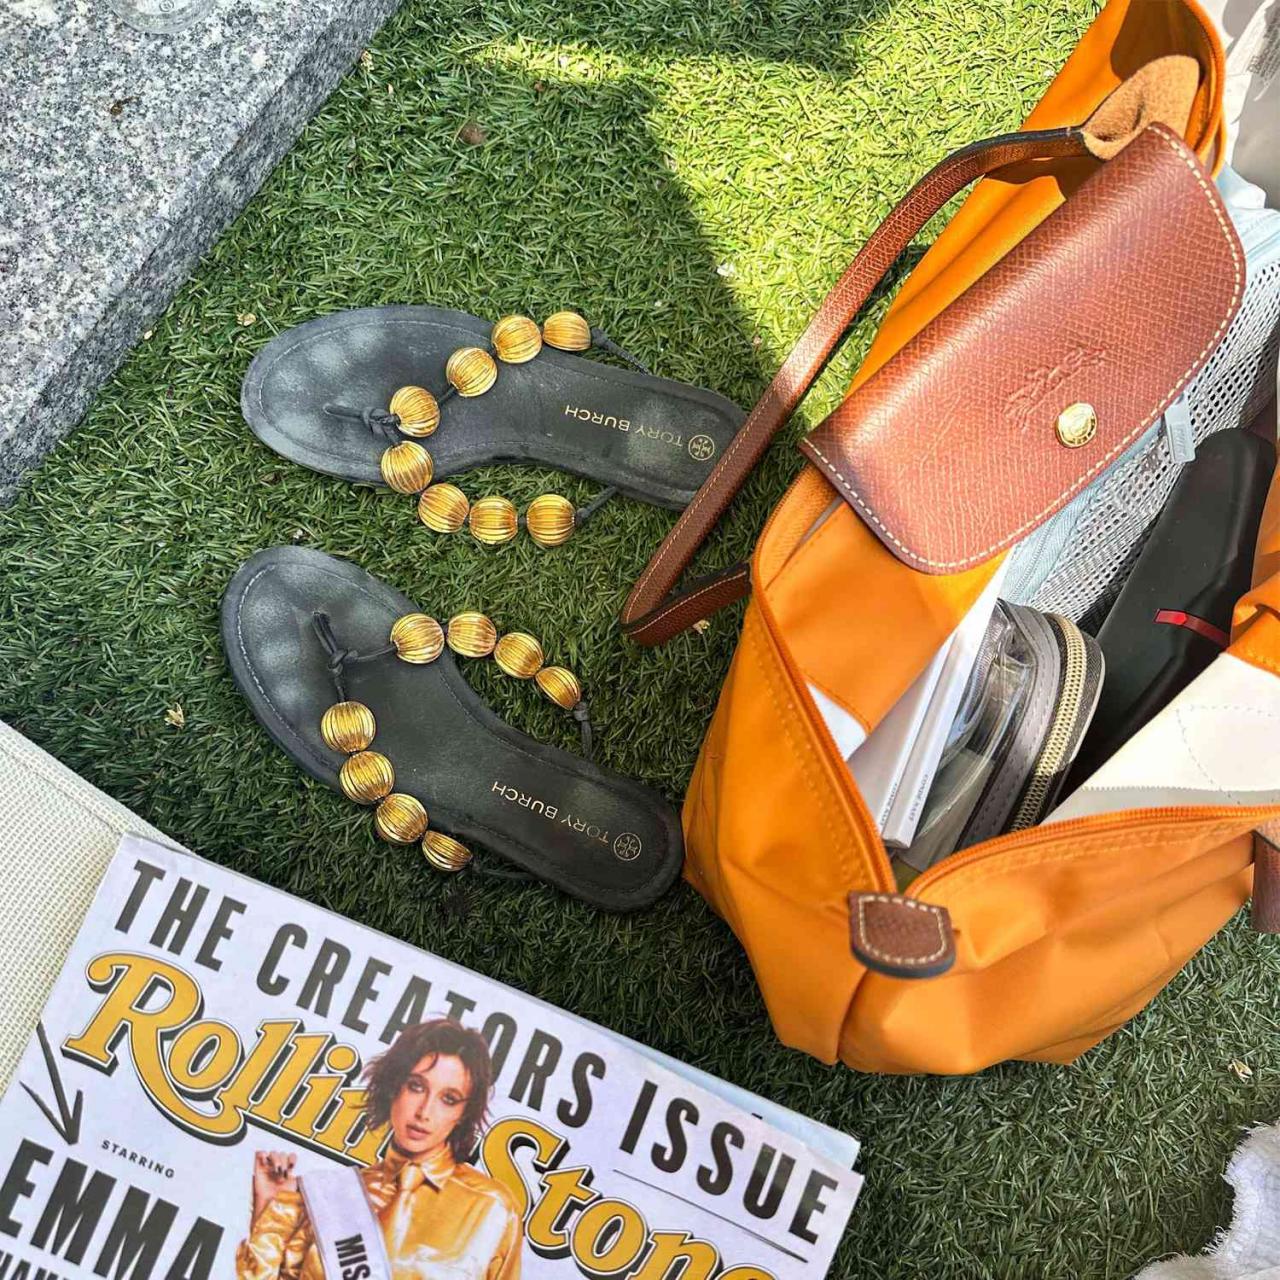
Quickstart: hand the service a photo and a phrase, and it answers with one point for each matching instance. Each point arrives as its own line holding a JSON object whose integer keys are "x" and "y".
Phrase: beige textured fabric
{"x": 57, "y": 834}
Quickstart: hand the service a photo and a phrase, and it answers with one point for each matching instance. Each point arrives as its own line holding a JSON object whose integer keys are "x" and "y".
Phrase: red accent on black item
{"x": 1180, "y": 618}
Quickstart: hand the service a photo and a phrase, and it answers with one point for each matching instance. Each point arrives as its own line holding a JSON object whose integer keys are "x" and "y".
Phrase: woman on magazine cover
{"x": 440, "y": 1219}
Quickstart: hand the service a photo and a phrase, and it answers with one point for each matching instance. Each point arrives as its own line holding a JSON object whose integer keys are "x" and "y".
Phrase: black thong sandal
{"x": 362, "y": 691}
{"x": 354, "y": 394}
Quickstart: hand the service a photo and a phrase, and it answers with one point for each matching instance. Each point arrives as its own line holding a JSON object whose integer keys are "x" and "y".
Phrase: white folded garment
{"x": 1217, "y": 742}
{"x": 1250, "y": 31}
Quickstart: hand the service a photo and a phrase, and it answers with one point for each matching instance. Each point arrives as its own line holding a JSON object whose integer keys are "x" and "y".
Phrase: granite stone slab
{"x": 123, "y": 155}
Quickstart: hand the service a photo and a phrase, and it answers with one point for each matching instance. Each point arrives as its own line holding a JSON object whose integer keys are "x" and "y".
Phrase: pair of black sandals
{"x": 356, "y": 683}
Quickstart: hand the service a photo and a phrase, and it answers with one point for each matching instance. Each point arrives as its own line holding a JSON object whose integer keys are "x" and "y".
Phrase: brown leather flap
{"x": 1042, "y": 373}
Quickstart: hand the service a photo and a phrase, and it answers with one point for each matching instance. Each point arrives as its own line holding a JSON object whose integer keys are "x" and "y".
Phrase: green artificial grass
{"x": 693, "y": 176}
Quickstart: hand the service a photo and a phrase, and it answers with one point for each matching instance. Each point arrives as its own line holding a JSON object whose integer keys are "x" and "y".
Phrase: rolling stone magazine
{"x": 229, "y": 1082}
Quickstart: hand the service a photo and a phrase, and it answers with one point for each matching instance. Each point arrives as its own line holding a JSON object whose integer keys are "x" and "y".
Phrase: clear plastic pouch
{"x": 1023, "y": 715}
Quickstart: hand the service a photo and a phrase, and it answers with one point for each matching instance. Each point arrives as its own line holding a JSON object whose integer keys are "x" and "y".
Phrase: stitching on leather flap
{"x": 908, "y": 553}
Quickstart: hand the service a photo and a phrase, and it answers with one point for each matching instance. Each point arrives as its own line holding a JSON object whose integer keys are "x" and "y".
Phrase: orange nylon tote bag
{"x": 1037, "y": 944}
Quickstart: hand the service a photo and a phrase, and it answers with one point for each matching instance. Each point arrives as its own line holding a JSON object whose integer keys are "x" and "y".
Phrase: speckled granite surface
{"x": 122, "y": 157}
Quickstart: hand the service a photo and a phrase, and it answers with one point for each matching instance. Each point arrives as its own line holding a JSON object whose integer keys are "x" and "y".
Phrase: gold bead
{"x": 443, "y": 508}
{"x": 348, "y": 727}
{"x": 406, "y": 467}
{"x": 472, "y": 634}
{"x": 444, "y": 852}
{"x": 418, "y": 638}
{"x": 366, "y": 777}
{"x": 417, "y": 409}
{"x": 549, "y": 519}
{"x": 493, "y": 520}
{"x": 516, "y": 339}
{"x": 519, "y": 655}
{"x": 567, "y": 331}
{"x": 471, "y": 371}
{"x": 560, "y": 685}
{"x": 400, "y": 818}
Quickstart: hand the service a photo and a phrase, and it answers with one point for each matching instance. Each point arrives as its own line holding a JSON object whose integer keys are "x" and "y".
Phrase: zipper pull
{"x": 1178, "y": 431}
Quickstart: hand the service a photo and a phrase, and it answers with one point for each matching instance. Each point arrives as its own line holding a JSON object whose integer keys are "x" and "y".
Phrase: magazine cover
{"x": 229, "y": 1082}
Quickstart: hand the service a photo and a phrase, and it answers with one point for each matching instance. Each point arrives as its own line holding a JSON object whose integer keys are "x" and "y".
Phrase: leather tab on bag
{"x": 901, "y": 937}
{"x": 1265, "y": 913}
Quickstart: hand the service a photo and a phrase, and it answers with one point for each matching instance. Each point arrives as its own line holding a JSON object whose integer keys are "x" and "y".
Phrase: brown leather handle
{"x": 652, "y": 614}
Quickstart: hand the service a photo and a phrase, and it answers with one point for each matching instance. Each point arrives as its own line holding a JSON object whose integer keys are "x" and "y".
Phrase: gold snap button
{"x": 1077, "y": 425}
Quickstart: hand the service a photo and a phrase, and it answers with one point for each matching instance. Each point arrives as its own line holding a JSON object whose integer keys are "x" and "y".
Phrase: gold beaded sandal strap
{"x": 367, "y": 776}
{"x": 415, "y": 412}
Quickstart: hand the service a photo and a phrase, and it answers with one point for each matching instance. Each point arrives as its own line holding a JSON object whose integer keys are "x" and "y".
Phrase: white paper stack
{"x": 918, "y": 771}
{"x": 895, "y": 765}
{"x": 879, "y": 765}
